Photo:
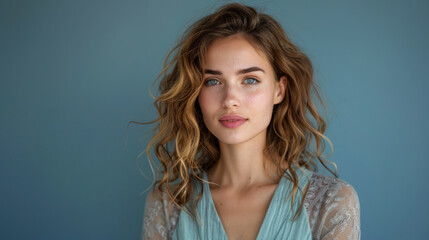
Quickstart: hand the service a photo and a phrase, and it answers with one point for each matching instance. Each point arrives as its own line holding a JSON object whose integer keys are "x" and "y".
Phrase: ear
{"x": 280, "y": 90}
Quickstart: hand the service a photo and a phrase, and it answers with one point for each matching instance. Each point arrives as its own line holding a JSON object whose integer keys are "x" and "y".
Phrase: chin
{"x": 239, "y": 136}
{"x": 235, "y": 140}
{"x": 230, "y": 140}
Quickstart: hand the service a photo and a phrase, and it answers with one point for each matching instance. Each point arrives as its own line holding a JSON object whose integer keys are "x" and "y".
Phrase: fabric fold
{"x": 277, "y": 224}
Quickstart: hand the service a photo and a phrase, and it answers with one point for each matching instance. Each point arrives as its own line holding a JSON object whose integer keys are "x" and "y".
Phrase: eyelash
{"x": 256, "y": 81}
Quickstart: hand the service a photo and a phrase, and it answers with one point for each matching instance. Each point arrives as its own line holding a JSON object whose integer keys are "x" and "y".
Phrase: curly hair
{"x": 182, "y": 143}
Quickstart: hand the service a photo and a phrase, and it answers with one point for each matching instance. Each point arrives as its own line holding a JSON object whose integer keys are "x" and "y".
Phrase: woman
{"x": 239, "y": 137}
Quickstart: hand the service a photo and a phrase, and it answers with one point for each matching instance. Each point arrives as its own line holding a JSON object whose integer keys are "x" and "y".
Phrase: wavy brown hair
{"x": 182, "y": 143}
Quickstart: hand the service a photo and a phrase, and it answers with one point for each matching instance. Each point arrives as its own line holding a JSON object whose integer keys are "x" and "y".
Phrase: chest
{"x": 242, "y": 216}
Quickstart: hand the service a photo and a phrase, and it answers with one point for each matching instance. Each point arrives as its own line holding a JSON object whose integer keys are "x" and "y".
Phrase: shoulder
{"x": 155, "y": 201}
{"x": 160, "y": 201}
{"x": 327, "y": 189}
{"x": 160, "y": 216}
{"x": 333, "y": 208}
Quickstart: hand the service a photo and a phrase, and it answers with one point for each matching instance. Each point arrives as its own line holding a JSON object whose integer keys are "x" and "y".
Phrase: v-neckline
{"x": 268, "y": 213}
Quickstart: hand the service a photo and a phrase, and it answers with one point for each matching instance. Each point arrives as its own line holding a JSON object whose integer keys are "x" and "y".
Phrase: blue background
{"x": 73, "y": 73}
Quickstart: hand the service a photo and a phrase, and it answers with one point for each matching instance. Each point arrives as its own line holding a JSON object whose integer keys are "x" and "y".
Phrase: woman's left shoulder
{"x": 334, "y": 204}
{"x": 331, "y": 187}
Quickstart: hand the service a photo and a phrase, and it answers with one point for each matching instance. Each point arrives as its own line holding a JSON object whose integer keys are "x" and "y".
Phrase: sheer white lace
{"x": 332, "y": 206}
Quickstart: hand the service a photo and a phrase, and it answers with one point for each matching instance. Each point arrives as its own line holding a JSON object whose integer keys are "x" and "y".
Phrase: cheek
{"x": 263, "y": 99}
{"x": 262, "y": 103}
{"x": 206, "y": 102}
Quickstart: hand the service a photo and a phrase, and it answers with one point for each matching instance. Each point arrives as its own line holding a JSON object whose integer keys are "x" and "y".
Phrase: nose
{"x": 231, "y": 97}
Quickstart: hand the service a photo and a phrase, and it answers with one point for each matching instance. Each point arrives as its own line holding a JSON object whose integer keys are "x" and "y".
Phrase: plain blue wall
{"x": 73, "y": 73}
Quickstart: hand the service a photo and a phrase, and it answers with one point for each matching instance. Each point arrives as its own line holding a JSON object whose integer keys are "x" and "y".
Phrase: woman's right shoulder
{"x": 155, "y": 195}
{"x": 159, "y": 200}
{"x": 160, "y": 215}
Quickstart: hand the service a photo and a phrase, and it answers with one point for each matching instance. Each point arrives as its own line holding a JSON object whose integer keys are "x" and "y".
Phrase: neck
{"x": 241, "y": 166}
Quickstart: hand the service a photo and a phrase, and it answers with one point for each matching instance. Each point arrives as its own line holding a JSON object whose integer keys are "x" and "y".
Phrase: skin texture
{"x": 240, "y": 183}
{"x": 251, "y": 95}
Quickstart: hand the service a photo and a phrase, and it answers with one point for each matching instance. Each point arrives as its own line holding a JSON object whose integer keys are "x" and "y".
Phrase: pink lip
{"x": 232, "y": 121}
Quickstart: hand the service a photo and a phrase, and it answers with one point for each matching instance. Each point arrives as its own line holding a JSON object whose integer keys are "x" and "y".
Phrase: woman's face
{"x": 239, "y": 91}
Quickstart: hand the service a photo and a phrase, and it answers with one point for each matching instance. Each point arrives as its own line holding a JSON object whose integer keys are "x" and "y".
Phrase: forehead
{"x": 234, "y": 52}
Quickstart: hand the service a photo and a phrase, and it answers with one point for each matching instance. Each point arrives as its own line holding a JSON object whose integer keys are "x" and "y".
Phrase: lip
{"x": 231, "y": 117}
{"x": 232, "y": 121}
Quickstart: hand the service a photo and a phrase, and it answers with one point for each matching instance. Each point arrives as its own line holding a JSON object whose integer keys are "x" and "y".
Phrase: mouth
{"x": 232, "y": 121}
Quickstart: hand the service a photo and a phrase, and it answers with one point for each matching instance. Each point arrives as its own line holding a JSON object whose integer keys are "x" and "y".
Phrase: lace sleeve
{"x": 334, "y": 209}
{"x": 343, "y": 215}
{"x": 160, "y": 217}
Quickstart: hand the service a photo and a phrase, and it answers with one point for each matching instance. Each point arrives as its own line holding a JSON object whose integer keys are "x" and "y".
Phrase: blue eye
{"x": 250, "y": 81}
{"x": 212, "y": 82}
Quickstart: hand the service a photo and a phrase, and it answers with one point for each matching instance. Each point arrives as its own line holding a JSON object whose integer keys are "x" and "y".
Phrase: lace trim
{"x": 332, "y": 206}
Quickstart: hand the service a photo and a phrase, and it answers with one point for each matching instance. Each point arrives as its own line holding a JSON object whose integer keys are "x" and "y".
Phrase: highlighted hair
{"x": 184, "y": 146}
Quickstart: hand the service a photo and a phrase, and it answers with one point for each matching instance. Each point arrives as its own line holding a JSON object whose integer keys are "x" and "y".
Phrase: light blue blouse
{"x": 277, "y": 223}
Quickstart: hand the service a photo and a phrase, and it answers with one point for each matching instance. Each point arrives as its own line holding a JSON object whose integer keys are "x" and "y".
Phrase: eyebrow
{"x": 242, "y": 71}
